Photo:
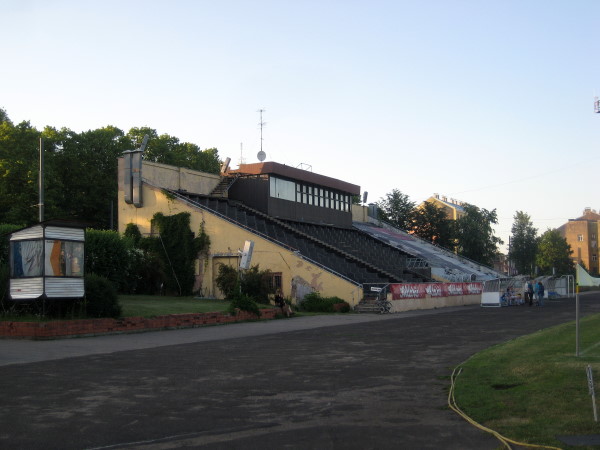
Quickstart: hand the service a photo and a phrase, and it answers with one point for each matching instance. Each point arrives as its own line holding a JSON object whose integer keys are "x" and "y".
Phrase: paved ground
{"x": 327, "y": 382}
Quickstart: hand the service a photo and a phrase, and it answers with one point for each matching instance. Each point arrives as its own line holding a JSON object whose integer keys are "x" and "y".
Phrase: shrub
{"x": 101, "y": 297}
{"x": 313, "y": 302}
{"x": 179, "y": 249}
{"x": 132, "y": 232}
{"x": 256, "y": 283}
{"x": 5, "y": 231}
{"x": 227, "y": 280}
{"x": 253, "y": 282}
{"x": 4, "y": 281}
{"x": 245, "y": 303}
{"x": 107, "y": 254}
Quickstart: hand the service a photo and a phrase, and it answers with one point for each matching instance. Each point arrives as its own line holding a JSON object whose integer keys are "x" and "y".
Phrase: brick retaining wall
{"x": 93, "y": 327}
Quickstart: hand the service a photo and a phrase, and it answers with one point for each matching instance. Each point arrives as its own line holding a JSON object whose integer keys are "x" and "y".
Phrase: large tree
{"x": 82, "y": 173}
{"x": 523, "y": 244}
{"x": 397, "y": 209}
{"x": 475, "y": 235}
{"x": 19, "y": 156}
{"x": 80, "y": 169}
{"x": 554, "y": 255}
{"x": 432, "y": 224}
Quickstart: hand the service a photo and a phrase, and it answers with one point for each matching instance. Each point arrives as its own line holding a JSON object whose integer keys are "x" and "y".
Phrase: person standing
{"x": 530, "y": 292}
{"x": 540, "y": 293}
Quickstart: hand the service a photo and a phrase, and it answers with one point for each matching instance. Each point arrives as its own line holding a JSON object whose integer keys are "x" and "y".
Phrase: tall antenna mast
{"x": 262, "y": 124}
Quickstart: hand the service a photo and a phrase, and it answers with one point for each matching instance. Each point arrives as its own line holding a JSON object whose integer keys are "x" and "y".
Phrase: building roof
{"x": 292, "y": 173}
{"x": 589, "y": 215}
{"x": 451, "y": 203}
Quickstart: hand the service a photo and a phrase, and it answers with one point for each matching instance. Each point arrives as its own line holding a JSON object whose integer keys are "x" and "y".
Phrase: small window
{"x": 594, "y": 257}
{"x": 580, "y": 237}
{"x": 64, "y": 259}
{"x": 26, "y": 259}
{"x": 275, "y": 281}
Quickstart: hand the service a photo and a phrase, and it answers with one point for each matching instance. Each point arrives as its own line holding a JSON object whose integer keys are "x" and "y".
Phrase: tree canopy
{"x": 432, "y": 224}
{"x": 475, "y": 235}
{"x": 397, "y": 209}
{"x": 554, "y": 255}
{"x": 80, "y": 169}
{"x": 523, "y": 244}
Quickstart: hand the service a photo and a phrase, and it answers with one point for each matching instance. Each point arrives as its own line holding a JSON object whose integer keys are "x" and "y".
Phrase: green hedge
{"x": 101, "y": 298}
{"x": 313, "y": 302}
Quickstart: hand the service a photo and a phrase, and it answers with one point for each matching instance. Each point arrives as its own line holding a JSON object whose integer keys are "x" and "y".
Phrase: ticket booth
{"x": 46, "y": 262}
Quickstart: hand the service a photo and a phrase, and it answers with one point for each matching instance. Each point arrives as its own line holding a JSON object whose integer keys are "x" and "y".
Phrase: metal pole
{"x": 41, "y": 181}
{"x": 576, "y": 320}
{"x": 592, "y": 391}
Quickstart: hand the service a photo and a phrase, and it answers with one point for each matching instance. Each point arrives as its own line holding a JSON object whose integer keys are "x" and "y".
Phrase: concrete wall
{"x": 432, "y": 303}
{"x": 176, "y": 178}
{"x": 359, "y": 213}
{"x": 298, "y": 275}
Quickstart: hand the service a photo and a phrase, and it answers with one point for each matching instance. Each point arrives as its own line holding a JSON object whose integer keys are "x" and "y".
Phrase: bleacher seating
{"x": 365, "y": 247}
{"x": 343, "y": 252}
{"x": 444, "y": 264}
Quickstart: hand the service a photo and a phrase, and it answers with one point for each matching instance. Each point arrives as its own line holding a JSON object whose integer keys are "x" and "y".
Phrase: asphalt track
{"x": 324, "y": 382}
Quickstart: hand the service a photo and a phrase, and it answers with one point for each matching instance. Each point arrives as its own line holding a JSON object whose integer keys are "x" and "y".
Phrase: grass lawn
{"x": 534, "y": 388}
{"x": 154, "y": 305}
{"x": 149, "y": 306}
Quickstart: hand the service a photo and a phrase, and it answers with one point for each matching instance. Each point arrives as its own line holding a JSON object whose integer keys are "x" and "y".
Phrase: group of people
{"x": 532, "y": 293}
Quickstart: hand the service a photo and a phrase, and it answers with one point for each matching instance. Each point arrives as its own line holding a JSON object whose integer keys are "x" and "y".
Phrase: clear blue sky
{"x": 488, "y": 102}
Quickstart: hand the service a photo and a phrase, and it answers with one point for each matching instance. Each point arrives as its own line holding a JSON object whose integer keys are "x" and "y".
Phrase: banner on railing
{"x": 422, "y": 290}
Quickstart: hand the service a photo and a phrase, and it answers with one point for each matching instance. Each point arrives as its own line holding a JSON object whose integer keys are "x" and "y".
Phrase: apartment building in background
{"x": 582, "y": 235}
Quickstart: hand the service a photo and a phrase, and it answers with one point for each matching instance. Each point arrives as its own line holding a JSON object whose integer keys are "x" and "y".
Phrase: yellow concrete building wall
{"x": 360, "y": 213}
{"x": 226, "y": 240}
{"x": 175, "y": 178}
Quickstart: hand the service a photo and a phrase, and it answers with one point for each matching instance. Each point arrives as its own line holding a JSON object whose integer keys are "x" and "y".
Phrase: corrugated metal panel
{"x": 26, "y": 288}
{"x": 65, "y": 233}
{"x": 57, "y": 287}
{"x": 29, "y": 233}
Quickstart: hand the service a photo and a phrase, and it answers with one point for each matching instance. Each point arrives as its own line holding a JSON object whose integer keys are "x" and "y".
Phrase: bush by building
{"x": 101, "y": 298}
{"x": 313, "y": 302}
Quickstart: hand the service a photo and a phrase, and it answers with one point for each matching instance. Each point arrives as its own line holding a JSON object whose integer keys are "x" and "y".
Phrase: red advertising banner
{"x": 422, "y": 290}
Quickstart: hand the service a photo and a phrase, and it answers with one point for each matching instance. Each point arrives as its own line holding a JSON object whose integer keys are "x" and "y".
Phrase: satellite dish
{"x": 261, "y": 156}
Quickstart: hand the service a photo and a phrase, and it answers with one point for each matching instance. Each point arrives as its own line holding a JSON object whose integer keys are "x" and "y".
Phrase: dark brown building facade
{"x": 290, "y": 193}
